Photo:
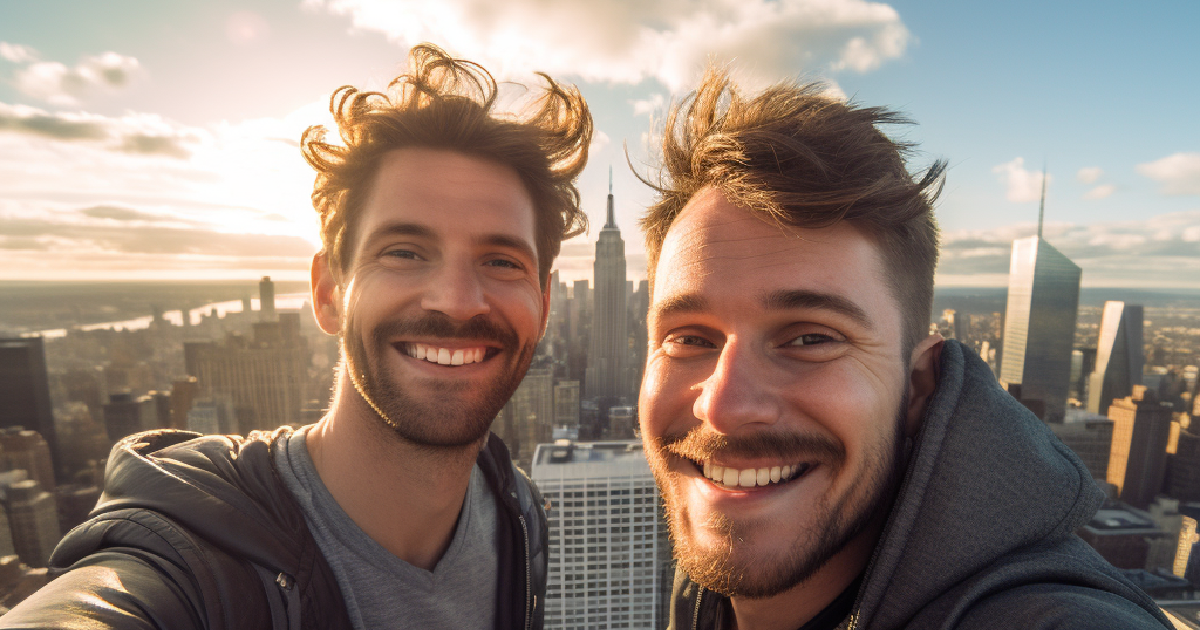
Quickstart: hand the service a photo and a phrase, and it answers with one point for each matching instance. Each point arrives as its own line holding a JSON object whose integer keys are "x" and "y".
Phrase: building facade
{"x": 606, "y": 366}
{"x": 25, "y": 388}
{"x": 1039, "y": 326}
{"x": 1120, "y": 355}
{"x": 609, "y": 550}
{"x": 1137, "y": 464}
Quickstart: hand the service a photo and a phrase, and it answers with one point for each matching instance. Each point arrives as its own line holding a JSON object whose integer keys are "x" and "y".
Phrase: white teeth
{"x": 731, "y": 477}
{"x": 750, "y": 477}
{"x": 445, "y": 356}
{"x": 747, "y": 478}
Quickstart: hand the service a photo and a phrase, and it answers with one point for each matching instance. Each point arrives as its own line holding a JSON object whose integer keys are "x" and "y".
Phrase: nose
{"x": 457, "y": 292}
{"x": 736, "y": 395}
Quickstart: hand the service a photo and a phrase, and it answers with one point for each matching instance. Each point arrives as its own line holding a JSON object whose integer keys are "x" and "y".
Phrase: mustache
{"x": 436, "y": 324}
{"x": 699, "y": 444}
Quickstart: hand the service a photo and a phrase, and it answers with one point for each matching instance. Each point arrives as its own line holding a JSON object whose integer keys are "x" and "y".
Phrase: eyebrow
{"x": 398, "y": 228}
{"x": 775, "y": 300}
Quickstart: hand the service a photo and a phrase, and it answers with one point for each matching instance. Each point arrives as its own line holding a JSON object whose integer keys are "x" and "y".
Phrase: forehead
{"x": 451, "y": 193}
{"x": 726, "y": 254}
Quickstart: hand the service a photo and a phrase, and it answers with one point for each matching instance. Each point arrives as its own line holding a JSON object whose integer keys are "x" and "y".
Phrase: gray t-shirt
{"x": 383, "y": 591}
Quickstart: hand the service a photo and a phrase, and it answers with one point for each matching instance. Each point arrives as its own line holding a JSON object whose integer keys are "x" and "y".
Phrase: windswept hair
{"x": 806, "y": 160}
{"x": 447, "y": 103}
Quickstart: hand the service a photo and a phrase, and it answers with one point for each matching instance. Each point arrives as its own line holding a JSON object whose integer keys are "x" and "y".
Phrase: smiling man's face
{"x": 441, "y": 306}
{"x": 775, "y": 397}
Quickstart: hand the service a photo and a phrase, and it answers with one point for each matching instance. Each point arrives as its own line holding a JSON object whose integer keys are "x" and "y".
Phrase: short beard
{"x": 717, "y": 569}
{"x": 460, "y": 415}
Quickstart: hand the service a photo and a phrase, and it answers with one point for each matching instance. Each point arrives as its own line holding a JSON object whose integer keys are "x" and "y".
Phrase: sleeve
{"x": 111, "y": 589}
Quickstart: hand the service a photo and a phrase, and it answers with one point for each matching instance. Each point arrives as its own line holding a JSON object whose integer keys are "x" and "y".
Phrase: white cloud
{"x": 1021, "y": 185}
{"x": 600, "y": 140}
{"x": 648, "y": 106}
{"x": 1089, "y": 175}
{"x": 628, "y": 41}
{"x": 1163, "y": 250}
{"x": 1179, "y": 173}
{"x": 56, "y": 83}
{"x": 1100, "y": 192}
{"x": 161, "y": 181}
{"x": 17, "y": 53}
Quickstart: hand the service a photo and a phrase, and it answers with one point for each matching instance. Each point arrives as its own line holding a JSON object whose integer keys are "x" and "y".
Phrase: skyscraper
{"x": 33, "y": 517}
{"x": 1120, "y": 356}
{"x": 606, "y": 374}
{"x": 609, "y": 551}
{"x": 264, "y": 376}
{"x": 25, "y": 388}
{"x": 1039, "y": 324}
{"x": 266, "y": 299}
{"x": 1141, "y": 429}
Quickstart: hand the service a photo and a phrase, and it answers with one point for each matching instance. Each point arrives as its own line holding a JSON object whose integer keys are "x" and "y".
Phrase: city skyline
{"x": 159, "y": 142}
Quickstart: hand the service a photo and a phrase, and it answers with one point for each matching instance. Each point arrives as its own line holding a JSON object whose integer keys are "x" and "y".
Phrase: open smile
{"x": 445, "y": 355}
{"x": 733, "y": 477}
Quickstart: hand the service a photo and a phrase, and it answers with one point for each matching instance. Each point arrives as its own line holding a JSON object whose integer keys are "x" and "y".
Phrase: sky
{"x": 159, "y": 140}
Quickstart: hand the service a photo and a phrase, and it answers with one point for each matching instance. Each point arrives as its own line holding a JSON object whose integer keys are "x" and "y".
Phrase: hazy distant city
{"x": 1113, "y": 372}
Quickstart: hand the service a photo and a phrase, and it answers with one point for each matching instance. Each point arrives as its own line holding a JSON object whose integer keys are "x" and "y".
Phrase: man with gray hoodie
{"x": 825, "y": 461}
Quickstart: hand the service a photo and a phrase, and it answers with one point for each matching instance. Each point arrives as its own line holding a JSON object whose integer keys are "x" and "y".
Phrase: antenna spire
{"x": 1042, "y": 208}
{"x": 612, "y": 220}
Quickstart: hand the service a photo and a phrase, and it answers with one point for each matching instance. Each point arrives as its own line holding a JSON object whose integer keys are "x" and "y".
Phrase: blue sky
{"x": 157, "y": 140}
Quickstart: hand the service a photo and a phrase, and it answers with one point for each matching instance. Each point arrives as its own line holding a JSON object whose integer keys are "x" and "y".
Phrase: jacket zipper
{"x": 528, "y": 573}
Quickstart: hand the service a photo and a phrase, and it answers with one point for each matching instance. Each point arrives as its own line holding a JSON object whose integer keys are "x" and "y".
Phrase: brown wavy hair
{"x": 804, "y": 160}
{"x": 448, "y": 103}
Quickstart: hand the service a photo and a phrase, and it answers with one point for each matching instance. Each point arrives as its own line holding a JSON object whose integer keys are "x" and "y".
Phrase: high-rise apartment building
{"x": 1120, "y": 356}
{"x": 1183, "y": 481}
{"x": 1090, "y": 437}
{"x": 33, "y": 517}
{"x": 25, "y": 388}
{"x": 566, "y": 404}
{"x": 606, "y": 367}
{"x": 22, "y": 449}
{"x": 264, "y": 377}
{"x": 1141, "y": 428}
{"x": 529, "y": 415}
{"x": 609, "y": 550}
{"x": 125, "y": 415}
{"x": 1039, "y": 325}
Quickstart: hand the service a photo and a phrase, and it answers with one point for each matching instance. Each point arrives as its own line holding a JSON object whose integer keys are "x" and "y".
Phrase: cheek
{"x": 667, "y": 396}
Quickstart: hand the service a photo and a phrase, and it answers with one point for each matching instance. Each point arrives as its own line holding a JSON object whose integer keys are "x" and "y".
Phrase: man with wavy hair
{"x": 825, "y": 461}
{"x": 440, "y": 220}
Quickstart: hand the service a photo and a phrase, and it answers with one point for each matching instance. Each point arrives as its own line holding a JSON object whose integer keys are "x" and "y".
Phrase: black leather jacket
{"x": 200, "y": 532}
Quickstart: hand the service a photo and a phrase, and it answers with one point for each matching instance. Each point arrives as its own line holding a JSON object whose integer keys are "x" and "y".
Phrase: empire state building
{"x": 606, "y": 375}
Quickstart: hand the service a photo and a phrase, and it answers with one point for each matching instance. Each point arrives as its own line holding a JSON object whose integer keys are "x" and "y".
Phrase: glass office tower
{"x": 1039, "y": 326}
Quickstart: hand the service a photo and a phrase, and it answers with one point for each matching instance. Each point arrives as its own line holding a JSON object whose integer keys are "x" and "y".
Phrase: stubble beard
{"x": 731, "y": 571}
{"x": 452, "y": 414}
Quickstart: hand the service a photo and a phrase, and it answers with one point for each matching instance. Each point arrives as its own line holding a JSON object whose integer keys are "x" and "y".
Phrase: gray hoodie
{"x": 982, "y": 531}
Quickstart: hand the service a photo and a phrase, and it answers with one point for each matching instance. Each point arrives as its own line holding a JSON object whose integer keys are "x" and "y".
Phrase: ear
{"x": 923, "y": 376}
{"x": 545, "y": 309}
{"x": 326, "y": 295}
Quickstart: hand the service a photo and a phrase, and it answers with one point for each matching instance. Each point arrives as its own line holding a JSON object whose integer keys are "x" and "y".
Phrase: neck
{"x": 404, "y": 496}
{"x": 796, "y": 606}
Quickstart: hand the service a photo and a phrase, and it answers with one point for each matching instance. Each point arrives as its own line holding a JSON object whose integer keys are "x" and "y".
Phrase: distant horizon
{"x": 253, "y": 282}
